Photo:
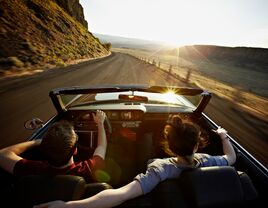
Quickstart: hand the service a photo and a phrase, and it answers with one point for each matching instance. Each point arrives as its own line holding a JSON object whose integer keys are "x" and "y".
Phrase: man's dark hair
{"x": 59, "y": 143}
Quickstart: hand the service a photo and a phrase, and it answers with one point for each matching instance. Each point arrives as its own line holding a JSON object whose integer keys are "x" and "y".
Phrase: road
{"x": 26, "y": 97}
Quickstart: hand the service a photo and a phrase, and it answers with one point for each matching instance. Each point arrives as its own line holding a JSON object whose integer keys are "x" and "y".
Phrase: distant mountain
{"x": 256, "y": 58}
{"x": 123, "y": 42}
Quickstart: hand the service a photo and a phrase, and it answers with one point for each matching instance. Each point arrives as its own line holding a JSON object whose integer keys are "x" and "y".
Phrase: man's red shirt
{"x": 85, "y": 169}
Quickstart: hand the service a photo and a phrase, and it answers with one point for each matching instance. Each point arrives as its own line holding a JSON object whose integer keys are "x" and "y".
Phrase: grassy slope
{"x": 39, "y": 33}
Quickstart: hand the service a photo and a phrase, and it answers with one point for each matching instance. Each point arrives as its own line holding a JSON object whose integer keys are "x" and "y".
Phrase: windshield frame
{"x": 56, "y": 94}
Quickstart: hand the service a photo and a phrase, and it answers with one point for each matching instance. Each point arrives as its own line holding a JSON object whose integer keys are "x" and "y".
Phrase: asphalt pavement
{"x": 23, "y": 98}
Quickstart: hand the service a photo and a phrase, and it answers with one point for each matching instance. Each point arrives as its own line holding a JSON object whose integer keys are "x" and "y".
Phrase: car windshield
{"x": 147, "y": 98}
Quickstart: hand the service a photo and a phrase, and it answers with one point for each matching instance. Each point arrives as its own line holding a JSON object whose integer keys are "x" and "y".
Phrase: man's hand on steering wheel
{"x": 99, "y": 117}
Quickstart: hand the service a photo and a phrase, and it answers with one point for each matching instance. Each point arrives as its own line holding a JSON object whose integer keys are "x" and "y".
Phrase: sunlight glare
{"x": 188, "y": 24}
{"x": 181, "y": 22}
{"x": 170, "y": 97}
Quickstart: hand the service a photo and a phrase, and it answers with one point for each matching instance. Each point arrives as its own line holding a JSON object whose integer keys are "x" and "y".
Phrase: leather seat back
{"x": 215, "y": 187}
{"x": 36, "y": 189}
{"x": 205, "y": 187}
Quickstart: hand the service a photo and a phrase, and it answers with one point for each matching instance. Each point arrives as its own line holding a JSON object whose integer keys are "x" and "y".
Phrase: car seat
{"x": 206, "y": 187}
{"x": 35, "y": 189}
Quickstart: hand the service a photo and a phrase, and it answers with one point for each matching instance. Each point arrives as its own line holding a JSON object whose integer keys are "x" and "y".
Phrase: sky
{"x": 182, "y": 22}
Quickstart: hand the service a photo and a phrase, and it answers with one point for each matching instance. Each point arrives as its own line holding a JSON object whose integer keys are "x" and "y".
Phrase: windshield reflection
{"x": 114, "y": 97}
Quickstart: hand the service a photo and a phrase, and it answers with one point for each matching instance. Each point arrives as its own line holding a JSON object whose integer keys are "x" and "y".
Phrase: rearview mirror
{"x": 137, "y": 98}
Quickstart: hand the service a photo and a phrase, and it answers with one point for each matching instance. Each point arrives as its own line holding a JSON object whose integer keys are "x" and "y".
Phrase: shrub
{"x": 60, "y": 63}
{"x": 11, "y": 61}
{"x": 108, "y": 46}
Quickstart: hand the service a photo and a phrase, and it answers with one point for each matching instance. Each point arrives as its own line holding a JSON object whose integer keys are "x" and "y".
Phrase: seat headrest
{"x": 211, "y": 186}
{"x": 36, "y": 189}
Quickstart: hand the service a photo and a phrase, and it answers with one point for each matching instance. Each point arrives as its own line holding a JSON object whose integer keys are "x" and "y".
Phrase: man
{"x": 58, "y": 146}
{"x": 183, "y": 138}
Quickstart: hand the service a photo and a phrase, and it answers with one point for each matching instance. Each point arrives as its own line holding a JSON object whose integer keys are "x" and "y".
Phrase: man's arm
{"x": 102, "y": 141}
{"x": 9, "y": 156}
{"x": 228, "y": 150}
{"x": 104, "y": 199}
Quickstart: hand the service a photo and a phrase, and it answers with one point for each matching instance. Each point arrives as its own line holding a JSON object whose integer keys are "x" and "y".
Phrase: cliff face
{"x": 241, "y": 56}
{"x": 73, "y": 8}
{"x": 37, "y": 33}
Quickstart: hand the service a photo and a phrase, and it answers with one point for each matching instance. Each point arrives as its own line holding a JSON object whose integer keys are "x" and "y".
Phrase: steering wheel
{"x": 107, "y": 126}
{"x": 87, "y": 117}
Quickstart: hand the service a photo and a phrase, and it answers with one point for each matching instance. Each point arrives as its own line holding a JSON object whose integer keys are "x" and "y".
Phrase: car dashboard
{"x": 136, "y": 136}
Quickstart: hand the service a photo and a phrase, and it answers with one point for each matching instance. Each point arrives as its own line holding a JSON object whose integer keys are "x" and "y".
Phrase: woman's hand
{"x": 227, "y": 147}
{"x": 37, "y": 142}
{"x": 53, "y": 204}
{"x": 99, "y": 117}
{"x": 221, "y": 132}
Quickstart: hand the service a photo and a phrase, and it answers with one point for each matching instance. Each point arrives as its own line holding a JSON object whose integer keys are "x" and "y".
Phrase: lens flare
{"x": 102, "y": 176}
{"x": 170, "y": 97}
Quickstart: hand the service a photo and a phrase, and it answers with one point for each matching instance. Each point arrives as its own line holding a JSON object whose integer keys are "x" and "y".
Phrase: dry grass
{"x": 245, "y": 99}
{"x": 39, "y": 34}
{"x": 235, "y": 93}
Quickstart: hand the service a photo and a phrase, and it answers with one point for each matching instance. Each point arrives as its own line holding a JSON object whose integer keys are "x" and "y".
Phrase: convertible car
{"x": 136, "y": 116}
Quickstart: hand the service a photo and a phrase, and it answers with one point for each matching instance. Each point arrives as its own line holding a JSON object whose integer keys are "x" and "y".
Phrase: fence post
{"x": 170, "y": 69}
{"x": 188, "y": 75}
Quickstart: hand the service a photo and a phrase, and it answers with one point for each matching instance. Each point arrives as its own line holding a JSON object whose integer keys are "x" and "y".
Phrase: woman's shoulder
{"x": 164, "y": 165}
{"x": 201, "y": 155}
{"x": 161, "y": 161}
{"x": 164, "y": 168}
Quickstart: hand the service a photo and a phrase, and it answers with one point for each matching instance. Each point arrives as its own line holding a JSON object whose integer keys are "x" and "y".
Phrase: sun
{"x": 170, "y": 97}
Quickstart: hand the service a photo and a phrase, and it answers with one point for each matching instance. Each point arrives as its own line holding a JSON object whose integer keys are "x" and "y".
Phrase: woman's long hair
{"x": 181, "y": 136}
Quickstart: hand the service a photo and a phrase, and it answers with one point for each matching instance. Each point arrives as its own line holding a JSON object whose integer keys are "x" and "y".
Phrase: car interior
{"x": 134, "y": 137}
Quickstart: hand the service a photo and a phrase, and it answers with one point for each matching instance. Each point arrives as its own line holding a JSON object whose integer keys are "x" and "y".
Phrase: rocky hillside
{"x": 73, "y": 8}
{"x": 255, "y": 58}
{"x": 44, "y": 33}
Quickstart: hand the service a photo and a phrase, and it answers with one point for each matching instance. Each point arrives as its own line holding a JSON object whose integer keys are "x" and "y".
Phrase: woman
{"x": 182, "y": 139}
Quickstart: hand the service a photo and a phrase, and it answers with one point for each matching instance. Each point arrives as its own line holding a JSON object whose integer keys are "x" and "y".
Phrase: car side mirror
{"x": 33, "y": 124}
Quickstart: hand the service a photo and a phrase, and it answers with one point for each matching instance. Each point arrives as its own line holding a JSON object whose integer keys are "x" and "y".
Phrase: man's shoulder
{"x": 25, "y": 161}
{"x": 25, "y": 166}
